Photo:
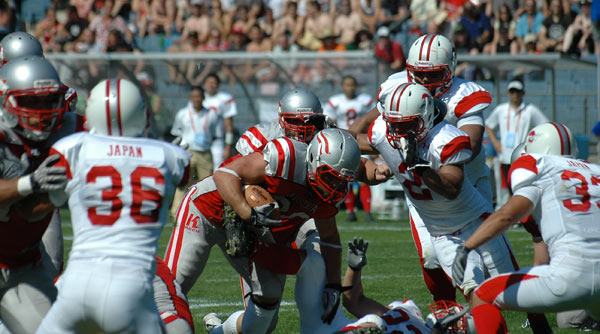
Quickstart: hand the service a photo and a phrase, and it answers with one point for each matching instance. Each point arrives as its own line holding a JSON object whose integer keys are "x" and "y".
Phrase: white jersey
{"x": 465, "y": 101}
{"x": 345, "y": 111}
{"x": 224, "y": 105}
{"x": 568, "y": 192}
{"x": 119, "y": 191}
{"x": 445, "y": 144}
{"x": 256, "y": 137}
{"x": 402, "y": 317}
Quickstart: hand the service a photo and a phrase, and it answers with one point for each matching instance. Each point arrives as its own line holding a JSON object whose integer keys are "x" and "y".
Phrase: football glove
{"x": 47, "y": 177}
{"x": 178, "y": 141}
{"x": 411, "y": 155}
{"x": 260, "y": 215}
{"x": 331, "y": 301}
{"x": 357, "y": 254}
{"x": 459, "y": 265}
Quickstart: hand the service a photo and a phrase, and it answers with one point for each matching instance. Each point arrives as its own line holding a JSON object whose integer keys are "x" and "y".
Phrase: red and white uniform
{"x": 568, "y": 192}
{"x": 224, "y": 105}
{"x": 199, "y": 221}
{"x": 446, "y": 219}
{"x": 171, "y": 302}
{"x": 345, "y": 111}
{"x": 119, "y": 191}
{"x": 256, "y": 137}
{"x": 402, "y": 317}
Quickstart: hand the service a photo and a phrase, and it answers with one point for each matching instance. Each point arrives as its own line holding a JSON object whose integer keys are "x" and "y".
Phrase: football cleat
{"x": 211, "y": 321}
{"x": 362, "y": 330}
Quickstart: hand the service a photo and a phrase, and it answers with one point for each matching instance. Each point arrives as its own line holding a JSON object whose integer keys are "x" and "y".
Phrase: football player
{"x": 568, "y": 193}
{"x": 31, "y": 118}
{"x": 427, "y": 155}
{"x": 224, "y": 105}
{"x": 344, "y": 109}
{"x": 119, "y": 188}
{"x": 431, "y": 62}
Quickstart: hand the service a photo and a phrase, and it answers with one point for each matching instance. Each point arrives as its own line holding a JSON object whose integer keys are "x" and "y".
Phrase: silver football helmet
{"x": 300, "y": 114}
{"x": 32, "y": 97}
{"x": 115, "y": 107}
{"x": 333, "y": 158}
{"x": 18, "y": 44}
{"x": 551, "y": 138}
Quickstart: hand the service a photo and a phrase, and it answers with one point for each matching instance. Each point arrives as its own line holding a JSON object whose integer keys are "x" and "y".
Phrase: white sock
{"x": 229, "y": 326}
{"x": 257, "y": 319}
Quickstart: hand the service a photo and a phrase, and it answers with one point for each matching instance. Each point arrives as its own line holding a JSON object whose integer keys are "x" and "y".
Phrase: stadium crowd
{"x": 388, "y": 27}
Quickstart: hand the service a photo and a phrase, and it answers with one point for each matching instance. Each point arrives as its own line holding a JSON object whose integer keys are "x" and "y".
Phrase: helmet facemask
{"x": 301, "y": 126}
{"x": 437, "y": 79}
{"x": 399, "y": 127}
{"x": 36, "y": 112}
{"x": 329, "y": 184}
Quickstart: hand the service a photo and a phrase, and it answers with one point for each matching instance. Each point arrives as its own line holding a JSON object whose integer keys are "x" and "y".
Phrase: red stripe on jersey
{"x": 62, "y": 162}
{"x": 170, "y": 319}
{"x": 429, "y": 46}
{"x": 331, "y": 104}
{"x": 108, "y": 122}
{"x": 490, "y": 289}
{"x": 468, "y": 102}
{"x": 454, "y": 146}
{"x": 281, "y": 159}
{"x": 527, "y": 162}
{"x": 247, "y": 139}
{"x": 253, "y": 130}
{"x": 292, "y": 158}
{"x": 370, "y": 133}
{"x": 119, "y": 107}
{"x": 229, "y": 101}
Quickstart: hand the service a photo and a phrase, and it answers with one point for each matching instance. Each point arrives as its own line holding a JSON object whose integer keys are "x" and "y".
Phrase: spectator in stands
{"x": 74, "y": 25}
{"x": 237, "y": 40}
{"x": 513, "y": 119}
{"x": 47, "y": 29}
{"x": 7, "y": 19}
{"x": 578, "y": 37}
{"x": 84, "y": 7}
{"x": 370, "y": 12}
{"x": 267, "y": 23}
{"x": 389, "y": 51}
{"x": 258, "y": 42}
{"x": 161, "y": 117}
{"x": 315, "y": 23}
{"x": 32, "y": 11}
{"x": 198, "y": 22}
{"x": 347, "y": 23}
{"x": 554, "y": 28}
{"x": 219, "y": 19}
{"x": 363, "y": 41}
{"x": 290, "y": 23}
{"x": 283, "y": 45}
{"x": 529, "y": 22}
{"x": 421, "y": 12}
{"x": 215, "y": 43}
{"x": 138, "y": 21}
{"x": 105, "y": 22}
{"x": 330, "y": 42}
{"x": 477, "y": 24}
{"x": 244, "y": 19}
{"x": 162, "y": 17}
{"x": 86, "y": 43}
{"x": 504, "y": 33}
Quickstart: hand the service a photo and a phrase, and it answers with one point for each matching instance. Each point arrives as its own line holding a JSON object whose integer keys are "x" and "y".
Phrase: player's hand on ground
{"x": 48, "y": 177}
{"x": 459, "y": 265}
{"x": 411, "y": 155}
{"x": 357, "y": 253}
{"x": 331, "y": 301}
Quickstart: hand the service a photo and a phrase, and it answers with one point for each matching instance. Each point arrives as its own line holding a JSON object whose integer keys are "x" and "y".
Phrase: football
{"x": 259, "y": 196}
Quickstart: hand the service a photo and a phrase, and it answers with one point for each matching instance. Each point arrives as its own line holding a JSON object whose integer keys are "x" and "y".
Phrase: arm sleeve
{"x": 474, "y": 119}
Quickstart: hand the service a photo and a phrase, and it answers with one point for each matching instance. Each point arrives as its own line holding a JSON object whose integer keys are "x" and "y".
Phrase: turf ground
{"x": 392, "y": 273}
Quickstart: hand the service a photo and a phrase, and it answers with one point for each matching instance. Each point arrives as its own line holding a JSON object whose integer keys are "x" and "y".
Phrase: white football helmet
{"x": 115, "y": 107}
{"x": 32, "y": 97}
{"x": 431, "y": 62}
{"x": 18, "y": 44}
{"x": 551, "y": 138}
{"x": 300, "y": 114}
{"x": 410, "y": 107}
{"x": 333, "y": 158}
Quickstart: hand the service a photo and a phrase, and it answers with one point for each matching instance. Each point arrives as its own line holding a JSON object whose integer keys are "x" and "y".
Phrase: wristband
{"x": 228, "y": 138}
{"x": 24, "y": 185}
{"x": 228, "y": 171}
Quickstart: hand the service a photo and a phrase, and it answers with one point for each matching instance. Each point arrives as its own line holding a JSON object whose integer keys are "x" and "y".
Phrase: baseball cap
{"x": 516, "y": 84}
{"x": 383, "y": 31}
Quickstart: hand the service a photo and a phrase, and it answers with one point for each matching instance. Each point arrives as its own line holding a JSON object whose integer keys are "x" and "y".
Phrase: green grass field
{"x": 392, "y": 273}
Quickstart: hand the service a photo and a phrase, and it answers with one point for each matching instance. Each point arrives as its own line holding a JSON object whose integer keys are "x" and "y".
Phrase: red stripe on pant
{"x": 172, "y": 256}
{"x": 438, "y": 283}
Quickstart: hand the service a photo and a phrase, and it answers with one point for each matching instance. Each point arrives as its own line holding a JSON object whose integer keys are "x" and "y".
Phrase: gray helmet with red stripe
{"x": 409, "y": 107}
{"x": 431, "y": 62}
{"x": 32, "y": 97}
{"x": 300, "y": 114}
{"x": 551, "y": 138}
{"x": 115, "y": 107}
{"x": 333, "y": 157}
